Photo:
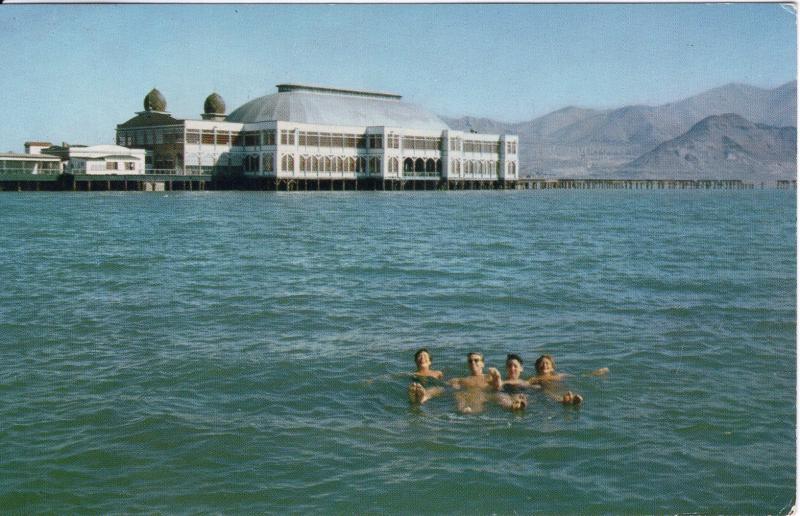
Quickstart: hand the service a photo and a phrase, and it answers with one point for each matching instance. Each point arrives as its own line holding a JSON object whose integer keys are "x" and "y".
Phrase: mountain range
{"x": 580, "y": 142}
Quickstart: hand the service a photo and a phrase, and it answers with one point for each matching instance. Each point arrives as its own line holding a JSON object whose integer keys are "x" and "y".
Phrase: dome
{"x": 214, "y": 105}
{"x": 155, "y": 101}
{"x": 330, "y": 106}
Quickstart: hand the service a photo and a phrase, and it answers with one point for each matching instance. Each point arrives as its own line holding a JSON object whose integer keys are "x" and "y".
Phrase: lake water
{"x": 243, "y": 352}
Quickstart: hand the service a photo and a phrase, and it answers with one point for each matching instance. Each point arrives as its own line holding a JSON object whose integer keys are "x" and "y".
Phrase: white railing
{"x": 189, "y": 171}
{"x": 29, "y": 172}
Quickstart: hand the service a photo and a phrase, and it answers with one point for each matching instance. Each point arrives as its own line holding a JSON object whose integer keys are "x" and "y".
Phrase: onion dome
{"x": 155, "y": 101}
{"x": 214, "y": 105}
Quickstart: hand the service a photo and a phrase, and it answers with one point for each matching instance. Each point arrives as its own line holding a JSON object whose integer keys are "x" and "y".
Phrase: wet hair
{"x": 421, "y": 351}
{"x": 514, "y": 356}
{"x": 541, "y": 360}
{"x": 471, "y": 353}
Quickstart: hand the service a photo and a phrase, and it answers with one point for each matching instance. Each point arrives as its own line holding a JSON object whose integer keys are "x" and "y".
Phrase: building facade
{"x": 22, "y": 166}
{"x": 310, "y": 133}
{"x": 105, "y": 160}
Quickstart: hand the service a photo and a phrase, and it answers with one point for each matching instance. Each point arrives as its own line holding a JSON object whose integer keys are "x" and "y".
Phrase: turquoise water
{"x": 241, "y": 352}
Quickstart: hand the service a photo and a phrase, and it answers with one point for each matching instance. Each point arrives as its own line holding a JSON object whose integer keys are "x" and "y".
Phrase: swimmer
{"x": 546, "y": 376}
{"x": 417, "y": 393}
{"x": 423, "y": 360}
{"x": 473, "y": 389}
{"x": 512, "y": 398}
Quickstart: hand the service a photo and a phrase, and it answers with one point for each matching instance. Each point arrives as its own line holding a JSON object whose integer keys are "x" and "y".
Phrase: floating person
{"x": 473, "y": 390}
{"x": 512, "y": 395}
{"x": 547, "y": 377}
{"x": 417, "y": 393}
{"x": 423, "y": 360}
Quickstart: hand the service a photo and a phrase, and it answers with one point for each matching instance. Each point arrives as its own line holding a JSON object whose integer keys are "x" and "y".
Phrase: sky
{"x": 73, "y": 72}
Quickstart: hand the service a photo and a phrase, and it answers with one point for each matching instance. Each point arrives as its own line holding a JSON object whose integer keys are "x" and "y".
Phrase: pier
{"x": 156, "y": 181}
{"x": 362, "y": 183}
{"x": 631, "y": 184}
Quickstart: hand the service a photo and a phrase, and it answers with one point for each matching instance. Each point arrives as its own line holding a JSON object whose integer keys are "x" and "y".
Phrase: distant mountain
{"x": 721, "y": 147}
{"x": 584, "y": 142}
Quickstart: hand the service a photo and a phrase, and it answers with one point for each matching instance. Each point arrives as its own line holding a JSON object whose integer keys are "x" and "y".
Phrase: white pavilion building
{"x": 311, "y": 137}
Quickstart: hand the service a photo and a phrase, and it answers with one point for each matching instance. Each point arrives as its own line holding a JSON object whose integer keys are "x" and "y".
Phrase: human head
{"x": 475, "y": 362}
{"x": 545, "y": 365}
{"x": 514, "y": 365}
{"x": 422, "y": 357}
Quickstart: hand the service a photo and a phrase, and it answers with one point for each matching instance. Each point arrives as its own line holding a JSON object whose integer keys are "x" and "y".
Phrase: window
{"x": 192, "y": 136}
{"x": 111, "y": 165}
{"x": 207, "y": 137}
{"x": 287, "y": 163}
{"x": 393, "y": 141}
{"x": 130, "y": 165}
{"x": 223, "y": 138}
{"x": 269, "y": 137}
{"x": 267, "y": 162}
{"x": 375, "y": 141}
{"x": 375, "y": 165}
{"x": 287, "y": 137}
{"x": 251, "y": 139}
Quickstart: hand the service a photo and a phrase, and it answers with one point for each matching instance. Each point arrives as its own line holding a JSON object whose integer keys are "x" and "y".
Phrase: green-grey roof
{"x": 149, "y": 119}
{"x": 332, "y": 106}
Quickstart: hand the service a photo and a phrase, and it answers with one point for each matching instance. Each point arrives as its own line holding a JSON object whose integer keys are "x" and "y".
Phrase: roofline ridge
{"x": 289, "y": 87}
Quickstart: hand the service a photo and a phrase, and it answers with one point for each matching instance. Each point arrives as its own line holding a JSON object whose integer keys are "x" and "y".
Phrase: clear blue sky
{"x": 71, "y": 73}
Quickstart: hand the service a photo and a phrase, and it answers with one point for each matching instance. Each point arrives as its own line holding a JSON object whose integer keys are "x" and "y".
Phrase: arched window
{"x": 408, "y": 165}
{"x": 361, "y": 164}
{"x": 419, "y": 165}
{"x": 350, "y": 164}
{"x": 287, "y": 163}
{"x": 339, "y": 166}
{"x": 430, "y": 166}
{"x": 314, "y": 164}
{"x": 375, "y": 165}
{"x": 439, "y": 166}
{"x": 327, "y": 167}
{"x": 266, "y": 162}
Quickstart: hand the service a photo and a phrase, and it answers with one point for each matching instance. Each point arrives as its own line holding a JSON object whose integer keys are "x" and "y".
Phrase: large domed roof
{"x": 214, "y": 105}
{"x": 155, "y": 101}
{"x": 331, "y": 106}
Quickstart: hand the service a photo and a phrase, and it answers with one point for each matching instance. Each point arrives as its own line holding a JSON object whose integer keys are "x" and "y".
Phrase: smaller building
{"x": 105, "y": 160}
{"x": 36, "y": 147}
{"x": 15, "y": 166}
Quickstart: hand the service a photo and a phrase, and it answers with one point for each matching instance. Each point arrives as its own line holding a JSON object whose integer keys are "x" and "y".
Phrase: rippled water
{"x": 241, "y": 352}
